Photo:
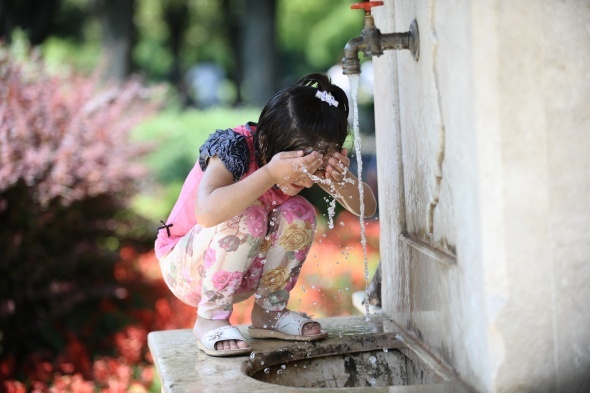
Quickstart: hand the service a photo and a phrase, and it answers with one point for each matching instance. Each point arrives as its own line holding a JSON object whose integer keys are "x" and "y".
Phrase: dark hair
{"x": 295, "y": 119}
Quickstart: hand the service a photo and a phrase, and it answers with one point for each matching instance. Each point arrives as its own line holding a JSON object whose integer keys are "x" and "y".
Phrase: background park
{"x": 103, "y": 106}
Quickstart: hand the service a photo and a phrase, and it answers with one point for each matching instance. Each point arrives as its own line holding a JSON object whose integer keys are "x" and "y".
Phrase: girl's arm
{"x": 219, "y": 198}
{"x": 344, "y": 186}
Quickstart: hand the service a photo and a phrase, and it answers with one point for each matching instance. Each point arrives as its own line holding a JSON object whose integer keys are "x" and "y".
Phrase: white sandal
{"x": 289, "y": 327}
{"x": 224, "y": 333}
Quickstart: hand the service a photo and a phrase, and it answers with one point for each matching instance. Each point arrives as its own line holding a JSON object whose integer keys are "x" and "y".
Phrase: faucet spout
{"x": 372, "y": 43}
{"x": 351, "y": 63}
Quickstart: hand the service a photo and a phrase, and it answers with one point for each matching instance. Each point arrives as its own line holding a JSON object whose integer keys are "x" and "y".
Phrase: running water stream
{"x": 354, "y": 83}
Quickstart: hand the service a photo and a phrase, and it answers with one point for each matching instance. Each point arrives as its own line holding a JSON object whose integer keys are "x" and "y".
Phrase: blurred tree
{"x": 176, "y": 16}
{"x": 312, "y": 34}
{"x": 258, "y": 54}
{"x": 35, "y": 18}
{"x": 233, "y": 18}
{"x": 118, "y": 36}
{"x": 261, "y": 45}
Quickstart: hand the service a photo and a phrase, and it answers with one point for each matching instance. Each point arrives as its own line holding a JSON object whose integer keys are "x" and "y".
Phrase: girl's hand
{"x": 293, "y": 166}
{"x": 337, "y": 166}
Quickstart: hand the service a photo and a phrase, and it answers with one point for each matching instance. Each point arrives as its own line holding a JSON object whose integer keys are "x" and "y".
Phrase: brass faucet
{"x": 372, "y": 43}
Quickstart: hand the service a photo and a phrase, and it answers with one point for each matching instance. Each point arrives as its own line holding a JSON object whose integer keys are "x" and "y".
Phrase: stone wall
{"x": 483, "y": 150}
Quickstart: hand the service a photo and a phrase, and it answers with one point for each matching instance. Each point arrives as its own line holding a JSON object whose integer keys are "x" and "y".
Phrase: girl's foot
{"x": 203, "y": 326}
{"x": 265, "y": 319}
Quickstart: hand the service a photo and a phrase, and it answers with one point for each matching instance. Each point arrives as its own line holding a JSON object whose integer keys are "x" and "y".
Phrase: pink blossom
{"x": 298, "y": 209}
{"x": 301, "y": 254}
{"x": 210, "y": 258}
{"x": 224, "y": 279}
{"x": 257, "y": 221}
{"x": 67, "y": 136}
{"x": 252, "y": 276}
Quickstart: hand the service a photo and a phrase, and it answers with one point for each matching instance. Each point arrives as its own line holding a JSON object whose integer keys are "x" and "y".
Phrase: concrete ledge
{"x": 182, "y": 367}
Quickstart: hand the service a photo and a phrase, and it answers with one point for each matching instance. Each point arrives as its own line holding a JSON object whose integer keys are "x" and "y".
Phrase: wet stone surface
{"x": 364, "y": 369}
{"x": 356, "y": 354}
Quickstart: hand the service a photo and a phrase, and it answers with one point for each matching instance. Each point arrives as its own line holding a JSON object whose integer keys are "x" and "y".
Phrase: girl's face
{"x": 325, "y": 151}
{"x": 293, "y": 189}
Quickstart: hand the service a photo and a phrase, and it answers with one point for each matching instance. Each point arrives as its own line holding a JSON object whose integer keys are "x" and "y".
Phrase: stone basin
{"x": 356, "y": 356}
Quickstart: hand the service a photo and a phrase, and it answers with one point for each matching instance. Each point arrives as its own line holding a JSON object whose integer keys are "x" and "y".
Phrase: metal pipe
{"x": 372, "y": 43}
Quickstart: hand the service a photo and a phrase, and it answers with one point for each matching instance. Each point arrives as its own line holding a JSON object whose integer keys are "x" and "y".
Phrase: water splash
{"x": 354, "y": 84}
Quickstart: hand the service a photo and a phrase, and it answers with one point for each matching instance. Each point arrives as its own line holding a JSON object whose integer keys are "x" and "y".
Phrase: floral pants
{"x": 259, "y": 252}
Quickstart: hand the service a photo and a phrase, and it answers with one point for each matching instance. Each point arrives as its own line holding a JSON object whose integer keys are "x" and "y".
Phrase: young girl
{"x": 239, "y": 228}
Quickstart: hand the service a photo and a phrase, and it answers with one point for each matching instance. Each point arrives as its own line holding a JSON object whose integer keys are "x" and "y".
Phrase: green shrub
{"x": 67, "y": 172}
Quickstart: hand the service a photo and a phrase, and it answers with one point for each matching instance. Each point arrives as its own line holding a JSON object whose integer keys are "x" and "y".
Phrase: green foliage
{"x": 151, "y": 54}
{"x": 204, "y": 40}
{"x": 64, "y": 53}
{"x": 327, "y": 38}
{"x": 312, "y": 33}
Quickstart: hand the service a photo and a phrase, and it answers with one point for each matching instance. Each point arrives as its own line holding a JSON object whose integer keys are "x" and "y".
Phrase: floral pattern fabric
{"x": 259, "y": 252}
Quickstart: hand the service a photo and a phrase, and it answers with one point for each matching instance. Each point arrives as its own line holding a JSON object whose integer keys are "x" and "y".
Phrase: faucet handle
{"x": 366, "y": 5}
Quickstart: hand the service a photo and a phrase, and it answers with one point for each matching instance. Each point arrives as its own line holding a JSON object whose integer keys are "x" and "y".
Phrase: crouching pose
{"x": 239, "y": 227}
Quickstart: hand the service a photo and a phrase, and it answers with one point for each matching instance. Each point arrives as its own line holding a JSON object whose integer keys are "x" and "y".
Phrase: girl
{"x": 239, "y": 228}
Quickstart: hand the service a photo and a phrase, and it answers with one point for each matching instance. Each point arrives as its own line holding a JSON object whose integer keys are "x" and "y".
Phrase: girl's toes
{"x": 233, "y": 344}
{"x": 311, "y": 329}
{"x": 243, "y": 344}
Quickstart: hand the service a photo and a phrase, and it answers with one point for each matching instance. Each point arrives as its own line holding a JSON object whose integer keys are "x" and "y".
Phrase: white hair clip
{"x": 326, "y": 97}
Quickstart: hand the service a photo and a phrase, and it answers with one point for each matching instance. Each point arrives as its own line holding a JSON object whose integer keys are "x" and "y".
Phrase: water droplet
{"x": 373, "y": 359}
{"x": 385, "y": 350}
{"x": 252, "y": 355}
{"x": 283, "y": 366}
{"x": 262, "y": 362}
{"x": 373, "y": 381}
{"x": 267, "y": 370}
{"x": 279, "y": 371}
